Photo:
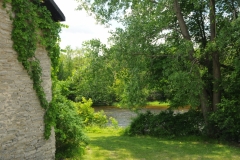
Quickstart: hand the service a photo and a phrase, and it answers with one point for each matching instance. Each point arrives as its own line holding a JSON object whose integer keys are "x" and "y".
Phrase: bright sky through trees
{"x": 81, "y": 26}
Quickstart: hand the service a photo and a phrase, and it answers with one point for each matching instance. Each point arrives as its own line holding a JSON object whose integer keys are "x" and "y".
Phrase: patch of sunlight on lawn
{"x": 109, "y": 144}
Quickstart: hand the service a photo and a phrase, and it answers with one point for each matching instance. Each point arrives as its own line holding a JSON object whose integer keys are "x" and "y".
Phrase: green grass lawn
{"x": 109, "y": 144}
{"x": 157, "y": 103}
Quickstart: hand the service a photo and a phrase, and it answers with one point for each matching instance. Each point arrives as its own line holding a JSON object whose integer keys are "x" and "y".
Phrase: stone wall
{"x": 21, "y": 116}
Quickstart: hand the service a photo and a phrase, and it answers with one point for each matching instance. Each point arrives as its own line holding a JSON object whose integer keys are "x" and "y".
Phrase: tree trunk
{"x": 183, "y": 26}
{"x": 215, "y": 59}
{"x": 184, "y": 30}
{"x": 204, "y": 105}
{"x": 181, "y": 22}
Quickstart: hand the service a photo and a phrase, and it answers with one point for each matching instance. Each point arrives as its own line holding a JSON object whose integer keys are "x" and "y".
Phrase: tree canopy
{"x": 188, "y": 50}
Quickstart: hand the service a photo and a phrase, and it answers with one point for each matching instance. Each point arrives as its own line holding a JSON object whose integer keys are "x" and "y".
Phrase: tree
{"x": 174, "y": 43}
{"x": 87, "y": 73}
{"x": 96, "y": 79}
{"x": 65, "y": 69}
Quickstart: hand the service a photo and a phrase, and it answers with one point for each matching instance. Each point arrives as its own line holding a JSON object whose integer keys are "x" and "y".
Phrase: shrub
{"x": 71, "y": 119}
{"x": 86, "y": 112}
{"x": 114, "y": 122}
{"x": 166, "y": 123}
{"x": 70, "y": 138}
{"x": 226, "y": 121}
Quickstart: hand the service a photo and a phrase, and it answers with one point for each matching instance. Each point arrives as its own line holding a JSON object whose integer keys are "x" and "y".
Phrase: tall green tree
{"x": 88, "y": 73}
{"x": 94, "y": 79}
{"x": 66, "y": 66}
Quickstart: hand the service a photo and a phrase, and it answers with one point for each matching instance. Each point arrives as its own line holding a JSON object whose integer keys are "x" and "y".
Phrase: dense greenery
{"x": 33, "y": 26}
{"x": 187, "y": 51}
{"x": 168, "y": 124}
{"x": 87, "y": 73}
{"x": 70, "y": 138}
{"x": 89, "y": 116}
{"x": 71, "y": 120}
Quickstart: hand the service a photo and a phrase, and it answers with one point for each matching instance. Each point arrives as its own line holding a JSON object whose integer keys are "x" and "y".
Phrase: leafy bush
{"x": 167, "y": 123}
{"x": 86, "y": 112}
{"x": 70, "y": 138}
{"x": 114, "y": 122}
{"x": 226, "y": 121}
{"x": 71, "y": 119}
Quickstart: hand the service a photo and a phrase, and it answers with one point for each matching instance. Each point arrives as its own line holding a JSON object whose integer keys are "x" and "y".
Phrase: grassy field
{"x": 157, "y": 103}
{"x": 152, "y": 104}
{"x": 109, "y": 144}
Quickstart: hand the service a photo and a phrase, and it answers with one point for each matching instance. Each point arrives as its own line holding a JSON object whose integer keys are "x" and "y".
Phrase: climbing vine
{"x": 33, "y": 26}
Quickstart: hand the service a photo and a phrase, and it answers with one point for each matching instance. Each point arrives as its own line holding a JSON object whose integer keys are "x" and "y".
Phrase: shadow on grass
{"x": 146, "y": 148}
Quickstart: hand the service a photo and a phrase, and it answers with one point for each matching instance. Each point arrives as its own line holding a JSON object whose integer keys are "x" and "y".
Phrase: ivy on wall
{"x": 33, "y": 26}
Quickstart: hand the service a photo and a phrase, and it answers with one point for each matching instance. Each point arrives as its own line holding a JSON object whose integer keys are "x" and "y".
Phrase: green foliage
{"x": 167, "y": 123}
{"x": 72, "y": 119}
{"x": 70, "y": 137}
{"x": 66, "y": 64}
{"x": 226, "y": 121}
{"x": 97, "y": 79}
{"x": 33, "y": 26}
{"x": 88, "y": 72}
{"x": 89, "y": 117}
{"x": 114, "y": 122}
{"x": 183, "y": 94}
{"x": 186, "y": 50}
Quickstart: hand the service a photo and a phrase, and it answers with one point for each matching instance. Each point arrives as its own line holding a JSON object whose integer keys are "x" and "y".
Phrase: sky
{"x": 81, "y": 26}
